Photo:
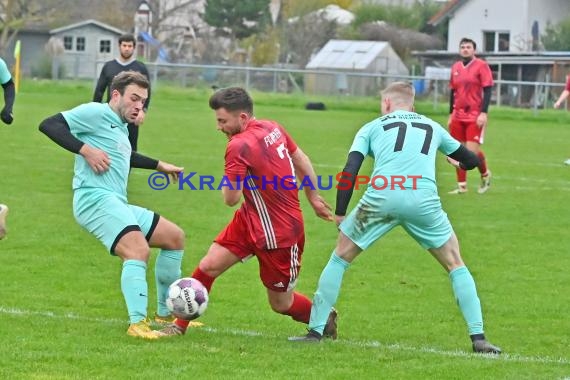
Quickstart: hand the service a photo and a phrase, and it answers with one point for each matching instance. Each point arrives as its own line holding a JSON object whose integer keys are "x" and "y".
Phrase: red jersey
{"x": 567, "y": 88}
{"x": 259, "y": 160}
{"x": 468, "y": 82}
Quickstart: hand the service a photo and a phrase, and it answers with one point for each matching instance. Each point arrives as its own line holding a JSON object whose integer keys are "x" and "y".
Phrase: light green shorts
{"x": 418, "y": 211}
{"x": 108, "y": 217}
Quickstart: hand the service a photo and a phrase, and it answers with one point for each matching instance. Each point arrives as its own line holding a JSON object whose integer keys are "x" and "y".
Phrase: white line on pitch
{"x": 350, "y": 342}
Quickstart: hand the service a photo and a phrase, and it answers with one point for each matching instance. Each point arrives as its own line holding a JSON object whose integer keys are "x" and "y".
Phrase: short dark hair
{"x": 466, "y": 40}
{"x": 125, "y": 78}
{"x": 232, "y": 99}
{"x": 128, "y": 38}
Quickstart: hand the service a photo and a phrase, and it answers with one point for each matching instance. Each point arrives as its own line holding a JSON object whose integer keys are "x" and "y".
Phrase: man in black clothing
{"x": 125, "y": 62}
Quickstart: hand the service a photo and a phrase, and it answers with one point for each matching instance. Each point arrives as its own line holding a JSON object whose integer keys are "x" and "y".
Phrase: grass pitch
{"x": 62, "y": 315}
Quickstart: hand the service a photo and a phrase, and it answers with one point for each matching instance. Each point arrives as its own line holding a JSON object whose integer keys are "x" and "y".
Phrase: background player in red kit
{"x": 261, "y": 163}
{"x": 471, "y": 82}
{"x": 563, "y": 96}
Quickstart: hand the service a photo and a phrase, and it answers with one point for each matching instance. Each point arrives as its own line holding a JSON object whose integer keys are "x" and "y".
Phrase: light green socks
{"x": 466, "y": 295}
{"x": 327, "y": 292}
{"x": 135, "y": 289}
{"x": 166, "y": 271}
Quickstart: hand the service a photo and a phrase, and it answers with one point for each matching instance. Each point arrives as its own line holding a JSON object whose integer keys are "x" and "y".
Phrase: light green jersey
{"x": 404, "y": 144}
{"x": 5, "y": 75}
{"x": 99, "y": 126}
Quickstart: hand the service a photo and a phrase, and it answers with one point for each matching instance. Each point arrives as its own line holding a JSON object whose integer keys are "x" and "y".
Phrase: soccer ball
{"x": 187, "y": 298}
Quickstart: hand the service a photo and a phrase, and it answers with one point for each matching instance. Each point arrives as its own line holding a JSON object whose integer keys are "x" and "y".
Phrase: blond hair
{"x": 400, "y": 93}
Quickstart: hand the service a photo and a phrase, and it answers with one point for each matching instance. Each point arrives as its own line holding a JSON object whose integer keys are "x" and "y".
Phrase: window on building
{"x": 68, "y": 42}
{"x": 105, "y": 46}
{"x": 494, "y": 41}
{"x": 504, "y": 42}
{"x": 489, "y": 41}
{"x": 80, "y": 44}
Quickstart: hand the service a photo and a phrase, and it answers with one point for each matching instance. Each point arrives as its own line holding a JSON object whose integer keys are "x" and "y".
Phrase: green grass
{"x": 62, "y": 314}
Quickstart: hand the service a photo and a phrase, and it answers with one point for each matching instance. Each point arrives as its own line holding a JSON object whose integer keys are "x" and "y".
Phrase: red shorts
{"x": 466, "y": 130}
{"x": 278, "y": 268}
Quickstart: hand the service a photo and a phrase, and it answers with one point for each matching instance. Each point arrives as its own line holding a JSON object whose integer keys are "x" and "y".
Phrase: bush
{"x": 43, "y": 69}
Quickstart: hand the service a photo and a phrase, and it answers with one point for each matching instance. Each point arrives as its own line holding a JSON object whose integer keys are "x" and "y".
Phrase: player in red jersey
{"x": 470, "y": 88}
{"x": 265, "y": 165}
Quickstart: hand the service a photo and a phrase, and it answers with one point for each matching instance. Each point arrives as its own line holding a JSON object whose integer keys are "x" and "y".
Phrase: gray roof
{"x": 87, "y": 22}
{"x": 347, "y": 54}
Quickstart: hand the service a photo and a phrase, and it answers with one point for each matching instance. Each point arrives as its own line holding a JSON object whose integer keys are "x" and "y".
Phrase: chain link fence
{"x": 518, "y": 94}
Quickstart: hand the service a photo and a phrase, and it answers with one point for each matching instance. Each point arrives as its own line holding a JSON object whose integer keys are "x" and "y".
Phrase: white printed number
{"x": 283, "y": 152}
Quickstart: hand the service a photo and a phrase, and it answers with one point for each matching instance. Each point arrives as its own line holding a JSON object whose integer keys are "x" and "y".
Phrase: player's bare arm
{"x": 338, "y": 219}
{"x": 482, "y": 118}
{"x": 231, "y": 195}
{"x": 304, "y": 169}
{"x": 169, "y": 169}
{"x": 97, "y": 159}
{"x": 562, "y": 98}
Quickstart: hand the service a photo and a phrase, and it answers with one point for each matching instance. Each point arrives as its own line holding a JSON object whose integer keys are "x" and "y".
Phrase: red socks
{"x": 204, "y": 278}
{"x": 482, "y": 163}
{"x": 300, "y": 310}
{"x": 461, "y": 175}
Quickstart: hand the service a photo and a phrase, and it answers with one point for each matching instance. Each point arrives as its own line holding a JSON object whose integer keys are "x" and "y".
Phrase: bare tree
{"x": 165, "y": 10}
{"x": 177, "y": 24}
{"x": 119, "y": 13}
{"x": 17, "y": 14}
{"x": 305, "y": 36}
{"x": 402, "y": 40}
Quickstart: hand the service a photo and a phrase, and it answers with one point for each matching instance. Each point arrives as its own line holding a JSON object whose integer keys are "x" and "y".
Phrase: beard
{"x": 126, "y": 56}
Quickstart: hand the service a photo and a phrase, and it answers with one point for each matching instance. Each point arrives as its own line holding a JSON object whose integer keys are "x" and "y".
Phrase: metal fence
{"x": 519, "y": 94}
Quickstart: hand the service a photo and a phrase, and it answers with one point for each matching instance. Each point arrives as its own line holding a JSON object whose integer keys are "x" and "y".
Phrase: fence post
{"x": 275, "y": 81}
{"x": 435, "y": 93}
{"x": 499, "y": 94}
{"x": 500, "y": 76}
{"x": 546, "y": 92}
{"x": 182, "y": 73}
{"x": 535, "y": 105}
{"x": 155, "y": 75}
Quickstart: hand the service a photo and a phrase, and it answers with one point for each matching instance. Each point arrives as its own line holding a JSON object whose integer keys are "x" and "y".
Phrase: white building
{"x": 346, "y": 57}
{"x": 510, "y": 26}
